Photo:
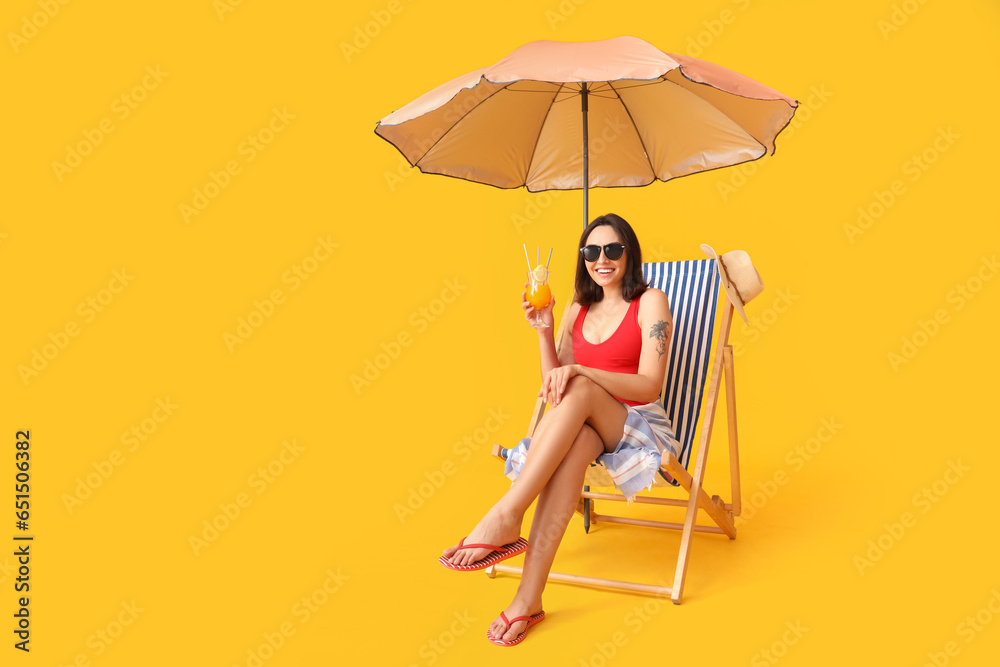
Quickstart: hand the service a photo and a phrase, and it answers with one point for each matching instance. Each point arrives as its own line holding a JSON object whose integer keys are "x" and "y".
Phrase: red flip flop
{"x": 534, "y": 619}
{"x": 496, "y": 555}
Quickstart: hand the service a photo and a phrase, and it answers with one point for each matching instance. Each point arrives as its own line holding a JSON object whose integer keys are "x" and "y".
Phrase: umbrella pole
{"x": 584, "y": 95}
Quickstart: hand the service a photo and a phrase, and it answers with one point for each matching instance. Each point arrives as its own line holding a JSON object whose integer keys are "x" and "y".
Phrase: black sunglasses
{"x": 612, "y": 251}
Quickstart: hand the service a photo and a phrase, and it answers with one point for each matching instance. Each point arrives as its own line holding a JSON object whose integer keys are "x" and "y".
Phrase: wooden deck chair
{"x": 692, "y": 288}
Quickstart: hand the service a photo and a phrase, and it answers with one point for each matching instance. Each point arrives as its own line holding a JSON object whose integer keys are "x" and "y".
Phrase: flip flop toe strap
{"x": 514, "y": 620}
{"x": 509, "y": 622}
{"x": 491, "y": 547}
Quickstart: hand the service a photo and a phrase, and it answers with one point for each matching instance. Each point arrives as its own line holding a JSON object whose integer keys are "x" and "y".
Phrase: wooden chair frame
{"x": 721, "y": 513}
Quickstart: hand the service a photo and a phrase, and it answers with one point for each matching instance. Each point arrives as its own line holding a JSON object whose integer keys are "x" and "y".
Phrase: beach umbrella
{"x": 576, "y": 115}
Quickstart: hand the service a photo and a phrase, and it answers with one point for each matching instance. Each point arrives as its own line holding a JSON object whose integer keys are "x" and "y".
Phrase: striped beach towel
{"x": 633, "y": 465}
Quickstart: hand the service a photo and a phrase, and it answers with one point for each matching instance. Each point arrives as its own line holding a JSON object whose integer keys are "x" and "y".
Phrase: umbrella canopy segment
{"x": 652, "y": 116}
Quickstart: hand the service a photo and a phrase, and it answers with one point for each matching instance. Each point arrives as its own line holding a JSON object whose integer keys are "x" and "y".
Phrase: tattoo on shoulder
{"x": 661, "y": 332}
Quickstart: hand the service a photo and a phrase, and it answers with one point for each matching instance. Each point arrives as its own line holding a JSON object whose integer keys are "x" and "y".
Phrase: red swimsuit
{"x": 619, "y": 353}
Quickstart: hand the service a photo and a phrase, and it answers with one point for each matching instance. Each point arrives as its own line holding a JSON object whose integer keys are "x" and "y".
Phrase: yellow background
{"x": 884, "y": 97}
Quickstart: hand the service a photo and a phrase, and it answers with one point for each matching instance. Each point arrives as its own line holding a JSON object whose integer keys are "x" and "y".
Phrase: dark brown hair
{"x": 633, "y": 284}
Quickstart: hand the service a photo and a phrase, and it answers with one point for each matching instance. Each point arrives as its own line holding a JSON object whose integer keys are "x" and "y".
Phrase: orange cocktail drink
{"x": 539, "y": 295}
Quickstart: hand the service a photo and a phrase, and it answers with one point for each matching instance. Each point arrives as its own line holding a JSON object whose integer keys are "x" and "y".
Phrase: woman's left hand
{"x": 554, "y": 383}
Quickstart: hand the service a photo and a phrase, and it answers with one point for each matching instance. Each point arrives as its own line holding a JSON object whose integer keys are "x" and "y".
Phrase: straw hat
{"x": 739, "y": 277}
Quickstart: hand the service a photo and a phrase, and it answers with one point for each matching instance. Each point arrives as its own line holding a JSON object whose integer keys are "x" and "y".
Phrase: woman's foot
{"x": 498, "y": 630}
{"x": 497, "y": 528}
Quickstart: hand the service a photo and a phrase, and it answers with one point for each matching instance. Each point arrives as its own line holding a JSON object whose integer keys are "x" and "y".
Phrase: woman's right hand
{"x": 529, "y": 310}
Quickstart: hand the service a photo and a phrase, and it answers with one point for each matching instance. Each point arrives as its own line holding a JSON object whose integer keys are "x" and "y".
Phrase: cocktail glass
{"x": 538, "y": 294}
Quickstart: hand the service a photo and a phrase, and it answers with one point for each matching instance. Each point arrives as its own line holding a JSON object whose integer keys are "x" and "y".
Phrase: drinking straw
{"x": 526, "y": 258}
{"x": 548, "y": 260}
{"x": 538, "y": 255}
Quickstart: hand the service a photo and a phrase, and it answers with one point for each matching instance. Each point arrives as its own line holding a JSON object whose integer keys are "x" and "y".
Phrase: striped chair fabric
{"x": 692, "y": 288}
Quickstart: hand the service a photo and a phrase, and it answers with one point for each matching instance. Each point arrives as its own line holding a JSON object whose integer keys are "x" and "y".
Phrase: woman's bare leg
{"x": 583, "y": 402}
{"x": 556, "y": 504}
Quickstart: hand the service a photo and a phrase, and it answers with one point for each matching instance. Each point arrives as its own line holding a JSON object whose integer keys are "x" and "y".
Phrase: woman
{"x": 604, "y": 385}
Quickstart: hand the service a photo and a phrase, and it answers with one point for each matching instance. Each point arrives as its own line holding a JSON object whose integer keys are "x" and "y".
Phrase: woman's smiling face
{"x": 603, "y": 271}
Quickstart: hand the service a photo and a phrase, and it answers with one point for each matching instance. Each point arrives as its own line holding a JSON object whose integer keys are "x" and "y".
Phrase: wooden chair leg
{"x": 713, "y": 506}
{"x": 734, "y": 448}
{"x": 699, "y": 466}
